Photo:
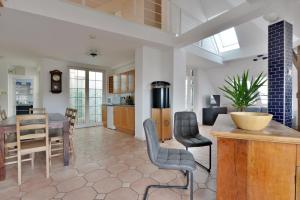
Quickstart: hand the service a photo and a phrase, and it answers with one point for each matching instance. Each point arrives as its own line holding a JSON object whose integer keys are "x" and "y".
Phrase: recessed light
{"x": 92, "y": 36}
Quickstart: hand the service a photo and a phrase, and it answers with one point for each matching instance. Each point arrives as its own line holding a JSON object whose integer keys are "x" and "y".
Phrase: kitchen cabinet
{"x": 111, "y": 84}
{"x": 104, "y": 116}
{"x": 124, "y": 82}
{"x": 131, "y": 81}
{"x": 117, "y": 84}
{"x": 124, "y": 119}
{"x": 162, "y": 119}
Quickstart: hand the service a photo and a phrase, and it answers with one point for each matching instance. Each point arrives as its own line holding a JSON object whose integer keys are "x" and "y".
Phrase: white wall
{"x": 150, "y": 65}
{"x": 203, "y": 89}
{"x": 157, "y": 65}
{"x": 209, "y": 80}
{"x": 59, "y": 102}
{"x": 217, "y": 75}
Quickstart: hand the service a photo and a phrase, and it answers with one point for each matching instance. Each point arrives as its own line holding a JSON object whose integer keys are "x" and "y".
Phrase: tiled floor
{"x": 108, "y": 165}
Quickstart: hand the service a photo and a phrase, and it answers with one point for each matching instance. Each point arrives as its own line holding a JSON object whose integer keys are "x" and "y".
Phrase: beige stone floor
{"x": 108, "y": 165}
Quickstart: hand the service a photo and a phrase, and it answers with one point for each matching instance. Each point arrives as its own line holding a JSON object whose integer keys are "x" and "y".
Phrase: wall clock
{"x": 56, "y": 83}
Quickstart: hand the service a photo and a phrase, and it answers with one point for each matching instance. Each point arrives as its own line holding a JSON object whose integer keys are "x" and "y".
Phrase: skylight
{"x": 227, "y": 40}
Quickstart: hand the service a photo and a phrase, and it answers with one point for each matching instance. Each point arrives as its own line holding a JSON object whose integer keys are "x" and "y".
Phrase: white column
{"x": 178, "y": 80}
{"x": 153, "y": 64}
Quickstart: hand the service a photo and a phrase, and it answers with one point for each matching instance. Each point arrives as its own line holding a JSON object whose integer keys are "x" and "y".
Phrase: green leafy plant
{"x": 242, "y": 91}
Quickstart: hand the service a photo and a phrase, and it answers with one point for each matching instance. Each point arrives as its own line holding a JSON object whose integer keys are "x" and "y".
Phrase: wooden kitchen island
{"x": 257, "y": 165}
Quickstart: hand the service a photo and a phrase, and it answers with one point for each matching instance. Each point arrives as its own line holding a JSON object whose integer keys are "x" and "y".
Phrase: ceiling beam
{"x": 234, "y": 17}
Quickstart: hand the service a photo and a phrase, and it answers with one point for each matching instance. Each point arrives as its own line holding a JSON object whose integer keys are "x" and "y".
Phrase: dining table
{"x": 55, "y": 121}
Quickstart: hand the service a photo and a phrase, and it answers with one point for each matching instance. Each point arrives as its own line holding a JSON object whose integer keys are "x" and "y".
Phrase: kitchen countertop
{"x": 125, "y": 105}
{"x": 274, "y": 132}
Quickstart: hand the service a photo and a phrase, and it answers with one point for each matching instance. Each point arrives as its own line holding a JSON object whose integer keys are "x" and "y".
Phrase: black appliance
{"x": 160, "y": 94}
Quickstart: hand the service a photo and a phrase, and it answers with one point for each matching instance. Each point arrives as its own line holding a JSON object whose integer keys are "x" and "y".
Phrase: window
{"x": 219, "y": 43}
{"x": 86, "y": 90}
{"x": 189, "y": 90}
{"x": 227, "y": 40}
{"x": 263, "y": 94}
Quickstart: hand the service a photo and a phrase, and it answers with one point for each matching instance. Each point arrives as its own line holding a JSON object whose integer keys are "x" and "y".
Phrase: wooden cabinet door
{"x": 131, "y": 81}
{"x": 117, "y": 117}
{"x": 156, "y": 117}
{"x": 131, "y": 119}
{"x": 166, "y": 123}
{"x": 124, "y": 82}
{"x": 116, "y": 84}
{"x": 111, "y": 84}
{"x": 104, "y": 116}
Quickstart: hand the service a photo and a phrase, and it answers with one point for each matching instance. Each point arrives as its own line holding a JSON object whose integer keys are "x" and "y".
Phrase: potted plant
{"x": 242, "y": 91}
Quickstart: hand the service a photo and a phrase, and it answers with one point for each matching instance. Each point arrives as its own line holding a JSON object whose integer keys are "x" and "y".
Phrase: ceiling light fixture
{"x": 260, "y": 57}
{"x": 94, "y": 53}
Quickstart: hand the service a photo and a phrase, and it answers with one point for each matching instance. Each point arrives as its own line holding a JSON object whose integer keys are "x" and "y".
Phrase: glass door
{"x": 95, "y": 97}
{"x": 86, "y": 91}
{"x": 78, "y": 94}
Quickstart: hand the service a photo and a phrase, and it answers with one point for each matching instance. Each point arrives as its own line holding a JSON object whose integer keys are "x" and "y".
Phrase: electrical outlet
{"x": 3, "y": 93}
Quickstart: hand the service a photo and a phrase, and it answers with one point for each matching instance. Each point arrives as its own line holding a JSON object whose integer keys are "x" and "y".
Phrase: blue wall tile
{"x": 280, "y": 37}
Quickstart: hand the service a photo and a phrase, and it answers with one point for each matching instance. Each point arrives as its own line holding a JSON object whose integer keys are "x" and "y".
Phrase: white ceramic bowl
{"x": 253, "y": 121}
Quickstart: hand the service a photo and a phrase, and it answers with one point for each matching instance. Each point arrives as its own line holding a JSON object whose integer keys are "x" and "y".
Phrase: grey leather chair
{"x": 187, "y": 133}
{"x": 172, "y": 159}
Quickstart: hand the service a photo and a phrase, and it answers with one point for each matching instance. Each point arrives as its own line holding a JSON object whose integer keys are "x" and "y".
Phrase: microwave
{"x": 113, "y": 100}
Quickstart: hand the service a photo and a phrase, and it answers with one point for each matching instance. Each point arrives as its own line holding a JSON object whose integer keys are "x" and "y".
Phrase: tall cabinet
{"x": 162, "y": 119}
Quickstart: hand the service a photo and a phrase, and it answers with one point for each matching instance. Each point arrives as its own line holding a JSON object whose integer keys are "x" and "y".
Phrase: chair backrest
{"x": 71, "y": 115}
{"x": 3, "y": 115}
{"x": 39, "y": 111}
{"x": 151, "y": 139}
{"x": 28, "y": 124}
{"x": 185, "y": 124}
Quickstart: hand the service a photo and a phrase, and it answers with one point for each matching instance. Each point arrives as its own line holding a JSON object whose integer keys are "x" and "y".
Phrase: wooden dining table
{"x": 55, "y": 121}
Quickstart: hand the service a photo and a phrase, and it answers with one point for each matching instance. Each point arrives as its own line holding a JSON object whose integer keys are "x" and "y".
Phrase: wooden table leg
{"x": 2, "y": 156}
{"x": 66, "y": 130}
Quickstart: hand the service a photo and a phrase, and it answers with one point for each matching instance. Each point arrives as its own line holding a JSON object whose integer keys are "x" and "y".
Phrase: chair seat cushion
{"x": 196, "y": 141}
{"x": 175, "y": 159}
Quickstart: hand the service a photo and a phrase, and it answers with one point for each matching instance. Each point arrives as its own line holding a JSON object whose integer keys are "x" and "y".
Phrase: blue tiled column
{"x": 280, "y": 45}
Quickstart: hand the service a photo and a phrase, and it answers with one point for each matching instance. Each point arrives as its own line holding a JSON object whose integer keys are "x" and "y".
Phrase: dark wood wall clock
{"x": 56, "y": 83}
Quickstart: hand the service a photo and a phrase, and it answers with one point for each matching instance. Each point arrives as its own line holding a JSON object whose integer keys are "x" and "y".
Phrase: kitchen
{"x": 118, "y": 113}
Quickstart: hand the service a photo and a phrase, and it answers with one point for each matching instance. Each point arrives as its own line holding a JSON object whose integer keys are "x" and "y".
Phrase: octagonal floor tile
{"x": 43, "y": 193}
{"x": 71, "y": 184}
{"x": 107, "y": 185}
{"x": 85, "y": 193}
{"x": 122, "y": 193}
{"x": 164, "y": 194}
{"x": 129, "y": 176}
{"x": 140, "y": 185}
{"x": 117, "y": 168}
{"x": 147, "y": 168}
{"x": 96, "y": 175}
{"x": 204, "y": 194}
{"x": 163, "y": 176}
{"x": 63, "y": 174}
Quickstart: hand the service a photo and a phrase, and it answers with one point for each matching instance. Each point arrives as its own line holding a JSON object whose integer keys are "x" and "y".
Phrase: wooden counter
{"x": 256, "y": 165}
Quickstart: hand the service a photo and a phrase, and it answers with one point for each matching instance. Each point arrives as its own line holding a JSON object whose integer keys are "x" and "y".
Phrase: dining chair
{"x": 169, "y": 159}
{"x": 10, "y": 146}
{"x": 28, "y": 141}
{"x": 57, "y": 142}
{"x": 186, "y": 132}
{"x": 37, "y": 111}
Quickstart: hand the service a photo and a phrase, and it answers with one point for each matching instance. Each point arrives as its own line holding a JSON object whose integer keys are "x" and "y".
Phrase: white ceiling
{"x": 44, "y": 37}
